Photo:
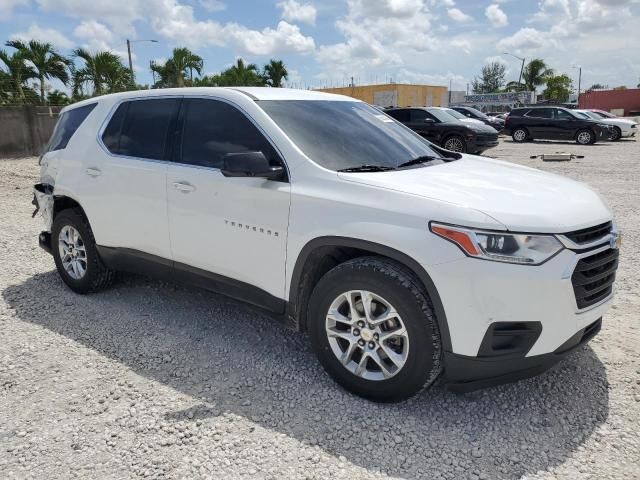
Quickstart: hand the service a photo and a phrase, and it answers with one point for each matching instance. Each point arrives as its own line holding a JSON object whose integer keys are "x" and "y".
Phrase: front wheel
{"x": 75, "y": 253}
{"x": 455, "y": 143}
{"x": 616, "y": 134}
{"x": 585, "y": 137}
{"x": 373, "y": 329}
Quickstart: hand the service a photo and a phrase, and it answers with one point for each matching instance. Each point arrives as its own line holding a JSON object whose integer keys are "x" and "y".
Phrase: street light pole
{"x": 521, "y": 68}
{"x": 129, "y": 42}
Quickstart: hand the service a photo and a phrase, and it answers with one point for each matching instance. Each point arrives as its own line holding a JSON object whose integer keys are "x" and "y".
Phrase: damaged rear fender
{"x": 44, "y": 202}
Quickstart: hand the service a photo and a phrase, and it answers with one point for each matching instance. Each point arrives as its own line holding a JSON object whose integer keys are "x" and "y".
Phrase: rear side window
{"x": 517, "y": 112}
{"x": 213, "y": 129}
{"x": 67, "y": 125}
{"x": 400, "y": 115}
{"x": 139, "y": 128}
{"x": 541, "y": 113}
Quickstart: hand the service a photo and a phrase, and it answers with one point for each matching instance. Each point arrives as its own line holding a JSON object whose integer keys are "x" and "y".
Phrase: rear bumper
{"x": 44, "y": 241}
{"x": 465, "y": 374}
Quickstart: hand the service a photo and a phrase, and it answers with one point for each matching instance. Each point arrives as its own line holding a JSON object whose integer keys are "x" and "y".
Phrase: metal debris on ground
{"x": 557, "y": 157}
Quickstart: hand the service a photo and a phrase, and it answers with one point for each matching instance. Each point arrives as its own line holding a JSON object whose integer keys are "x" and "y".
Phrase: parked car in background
{"x": 470, "y": 112}
{"x": 401, "y": 260}
{"x": 440, "y": 128}
{"x": 621, "y": 127}
{"x": 554, "y": 123}
{"x": 461, "y": 117}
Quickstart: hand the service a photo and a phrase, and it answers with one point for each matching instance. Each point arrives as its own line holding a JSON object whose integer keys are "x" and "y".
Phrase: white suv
{"x": 402, "y": 261}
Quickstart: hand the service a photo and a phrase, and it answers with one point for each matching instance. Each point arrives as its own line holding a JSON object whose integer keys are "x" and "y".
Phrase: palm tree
{"x": 17, "y": 72}
{"x": 47, "y": 62}
{"x": 184, "y": 59}
{"x": 275, "y": 72}
{"x": 242, "y": 74}
{"x": 103, "y": 70}
{"x": 535, "y": 74}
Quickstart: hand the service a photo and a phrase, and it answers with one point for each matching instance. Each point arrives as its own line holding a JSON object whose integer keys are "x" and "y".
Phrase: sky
{"x": 326, "y": 42}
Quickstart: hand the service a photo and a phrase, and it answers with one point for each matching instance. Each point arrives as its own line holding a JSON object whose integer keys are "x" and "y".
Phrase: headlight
{"x": 517, "y": 248}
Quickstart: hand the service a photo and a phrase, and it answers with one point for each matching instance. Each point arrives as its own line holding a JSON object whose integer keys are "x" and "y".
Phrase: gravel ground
{"x": 150, "y": 379}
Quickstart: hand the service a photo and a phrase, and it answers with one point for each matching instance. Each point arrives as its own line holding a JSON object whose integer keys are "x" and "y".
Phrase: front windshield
{"x": 340, "y": 135}
{"x": 478, "y": 113}
{"x": 455, "y": 113}
{"x": 586, "y": 115}
{"x": 604, "y": 114}
{"x": 442, "y": 115}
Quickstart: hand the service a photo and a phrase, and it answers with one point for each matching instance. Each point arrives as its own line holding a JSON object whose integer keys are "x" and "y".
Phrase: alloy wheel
{"x": 367, "y": 335}
{"x": 73, "y": 253}
{"x": 520, "y": 135}
{"x": 584, "y": 138}
{"x": 454, "y": 144}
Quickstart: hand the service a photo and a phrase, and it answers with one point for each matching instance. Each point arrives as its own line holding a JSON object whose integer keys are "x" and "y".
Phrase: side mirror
{"x": 250, "y": 164}
{"x": 428, "y": 120}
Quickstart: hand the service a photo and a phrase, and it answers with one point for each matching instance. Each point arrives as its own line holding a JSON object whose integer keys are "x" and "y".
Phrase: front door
{"x": 235, "y": 228}
{"x": 425, "y": 124}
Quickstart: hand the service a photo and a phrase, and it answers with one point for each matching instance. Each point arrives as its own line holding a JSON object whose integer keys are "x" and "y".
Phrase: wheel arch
{"x": 322, "y": 254}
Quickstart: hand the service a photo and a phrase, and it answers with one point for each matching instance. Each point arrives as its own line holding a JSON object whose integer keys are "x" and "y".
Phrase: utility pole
{"x": 579, "y": 67}
{"x": 521, "y": 68}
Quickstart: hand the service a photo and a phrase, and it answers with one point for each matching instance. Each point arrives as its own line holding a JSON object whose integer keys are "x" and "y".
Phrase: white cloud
{"x": 176, "y": 21}
{"x": 293, "y": 11}
{"x": 496, "y": 16}
{"x": 458, "y": 15}
{"x": 50, "y": 35}
{"x": 7, "y": 6}
{"x": 461, "y": 44}
{"x": 525, "y": 40}
{"x": 213, "y": 5}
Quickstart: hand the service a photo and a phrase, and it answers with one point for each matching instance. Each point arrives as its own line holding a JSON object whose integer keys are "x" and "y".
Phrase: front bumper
{"x": 477, "y": 295}
{"x": 465, "y": 374}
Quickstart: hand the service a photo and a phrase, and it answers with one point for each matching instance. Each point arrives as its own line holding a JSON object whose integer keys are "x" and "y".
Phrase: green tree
{"x": 174, "y": 71}
{"x": 103, "y": 71}
{"x": 535, "y": 74}
{"x": 242, "y": 74}
{"x": 275, "y": 72}
{"x": 491, "y": 78}
{"x": 559, "y": 88}
{"x": 15, "y": 73}
{"x": 58, "y": 98}
{"x": 47, "y": 62}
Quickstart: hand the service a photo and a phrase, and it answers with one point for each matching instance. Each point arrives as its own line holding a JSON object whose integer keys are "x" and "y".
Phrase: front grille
{"x": 593, "y": 277}
{"x": 590, "y": 234}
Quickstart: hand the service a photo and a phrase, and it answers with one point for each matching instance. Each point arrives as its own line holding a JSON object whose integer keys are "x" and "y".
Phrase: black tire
{"x": 404, "y": 291}
{"x": 456, "y": 144}
{"x": 97, "y": 276}
{"x": 520, "y": 135}
{"x": 585, "y": 137}
{"x": 616, "y": 134}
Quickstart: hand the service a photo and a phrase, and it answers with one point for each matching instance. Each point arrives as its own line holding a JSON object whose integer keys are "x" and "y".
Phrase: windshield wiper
{"x": 419, "y": 160}
{"x": 367, "y": 168}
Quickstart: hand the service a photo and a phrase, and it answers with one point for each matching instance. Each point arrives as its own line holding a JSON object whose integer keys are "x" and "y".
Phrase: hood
{"x": 472, "y": 121}
{"x": 480, "y": 127}
{"x": 520, "y": 198}
{"x": 621, "y": 122}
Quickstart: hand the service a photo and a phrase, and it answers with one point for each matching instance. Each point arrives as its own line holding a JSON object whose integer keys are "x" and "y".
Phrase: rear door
{"x": 235, "y": 228}
{"x": 124, "y": 192}
{"x": 565, "y": 124}
{"x": 539, "y": 122}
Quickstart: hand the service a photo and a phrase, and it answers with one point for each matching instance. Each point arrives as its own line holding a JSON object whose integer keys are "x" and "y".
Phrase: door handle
{"x": 94, "y": 172}
{"x": 184, "y": 187}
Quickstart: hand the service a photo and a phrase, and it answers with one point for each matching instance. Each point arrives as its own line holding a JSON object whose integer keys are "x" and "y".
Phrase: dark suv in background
{"x": 553, "y": 123}
{"x": 440, "y": 128}
{"x": 470, "y": 112}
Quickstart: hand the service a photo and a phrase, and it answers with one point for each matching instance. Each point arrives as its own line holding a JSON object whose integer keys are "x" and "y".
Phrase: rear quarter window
{"x": 67, "y": 125}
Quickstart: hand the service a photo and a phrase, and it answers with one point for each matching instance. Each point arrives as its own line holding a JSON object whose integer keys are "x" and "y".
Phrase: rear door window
{"x": 140, "y": 128}
{"x": 67, "y": 125}
{"x": 541, "y": 113}
{"x": 212, "y": 129}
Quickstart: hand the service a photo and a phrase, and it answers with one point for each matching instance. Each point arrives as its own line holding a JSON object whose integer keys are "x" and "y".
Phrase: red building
{"x": 625, "y": 103}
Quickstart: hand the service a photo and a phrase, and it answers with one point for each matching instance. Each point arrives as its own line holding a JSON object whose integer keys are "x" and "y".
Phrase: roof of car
{"x": 256, "y": 93}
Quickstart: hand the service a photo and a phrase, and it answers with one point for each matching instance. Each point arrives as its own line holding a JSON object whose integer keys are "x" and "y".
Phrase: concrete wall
{"x": 25, "y": 130}
{"x": 395, "y": 94}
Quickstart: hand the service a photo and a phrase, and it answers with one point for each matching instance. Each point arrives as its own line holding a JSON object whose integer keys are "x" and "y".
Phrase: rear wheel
{"x": 373, "y": 329}
{"x": 75, "y": 254}
{"x": 455, "y": 143}
{"x": 520, "y": 135}
{"x": 585, "y": 137}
